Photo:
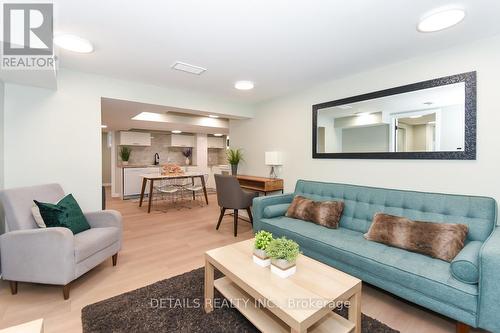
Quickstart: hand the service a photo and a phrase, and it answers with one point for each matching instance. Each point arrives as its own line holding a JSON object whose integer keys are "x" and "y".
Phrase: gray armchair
{"x": 52, "y": 255}
{"x": 231, "y": 196}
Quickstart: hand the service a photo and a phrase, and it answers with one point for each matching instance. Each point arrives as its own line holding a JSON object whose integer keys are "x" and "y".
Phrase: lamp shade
{"x": 274, "y": 158}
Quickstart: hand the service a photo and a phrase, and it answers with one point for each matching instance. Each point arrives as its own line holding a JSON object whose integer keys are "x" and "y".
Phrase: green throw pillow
{"x": 66, "y": 213}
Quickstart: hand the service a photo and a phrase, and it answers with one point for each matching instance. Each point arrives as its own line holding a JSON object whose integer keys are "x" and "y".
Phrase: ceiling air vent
{"x": 182, "y": 66}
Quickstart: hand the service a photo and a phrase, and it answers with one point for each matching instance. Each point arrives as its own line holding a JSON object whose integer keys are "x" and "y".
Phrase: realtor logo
{"x": 27, "y": 36}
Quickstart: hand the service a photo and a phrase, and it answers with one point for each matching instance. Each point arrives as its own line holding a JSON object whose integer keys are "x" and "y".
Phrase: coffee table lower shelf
{"x": 266, "y": 321}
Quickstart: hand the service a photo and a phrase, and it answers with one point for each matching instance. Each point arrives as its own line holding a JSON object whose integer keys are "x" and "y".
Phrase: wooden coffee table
{"x": 300, "y": 303}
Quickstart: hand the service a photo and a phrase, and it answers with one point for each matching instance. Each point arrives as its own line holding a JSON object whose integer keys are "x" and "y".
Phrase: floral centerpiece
{"x": 171, "y": 169}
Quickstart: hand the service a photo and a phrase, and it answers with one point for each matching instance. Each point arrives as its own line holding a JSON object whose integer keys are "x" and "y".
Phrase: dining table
{"x": 158, "y": 177}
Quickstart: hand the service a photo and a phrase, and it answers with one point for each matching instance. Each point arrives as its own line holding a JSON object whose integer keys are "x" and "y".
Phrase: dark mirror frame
{"x": 469, "y": 153}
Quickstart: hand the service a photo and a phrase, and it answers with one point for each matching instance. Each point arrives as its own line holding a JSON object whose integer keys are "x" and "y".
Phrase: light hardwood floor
{"x": 161, "y": 245}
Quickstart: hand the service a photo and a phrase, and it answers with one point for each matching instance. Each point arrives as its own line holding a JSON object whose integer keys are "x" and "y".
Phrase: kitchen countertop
{"x": 148, "y": 166}
{"x": 138, "y": 166}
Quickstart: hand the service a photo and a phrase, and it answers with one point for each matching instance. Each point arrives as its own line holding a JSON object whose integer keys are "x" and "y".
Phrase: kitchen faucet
{"x": 157, "y": 159}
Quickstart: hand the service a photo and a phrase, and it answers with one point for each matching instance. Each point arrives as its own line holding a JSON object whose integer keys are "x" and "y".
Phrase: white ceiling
{"x": 282, "y": 45}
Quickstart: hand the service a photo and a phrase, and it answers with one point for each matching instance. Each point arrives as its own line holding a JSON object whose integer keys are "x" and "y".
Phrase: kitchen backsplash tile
{"x": 145, "y": 155}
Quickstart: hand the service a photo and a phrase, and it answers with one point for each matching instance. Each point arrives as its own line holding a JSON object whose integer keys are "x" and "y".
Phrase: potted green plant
{"x": 262, "y": 240}
{"x": 234, "y": 157}
{"x": 283, "y": 253}
{"x": 125, "y": 154}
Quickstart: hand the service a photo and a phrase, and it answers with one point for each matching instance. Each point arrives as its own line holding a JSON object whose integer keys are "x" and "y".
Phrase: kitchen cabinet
{"x": 132, "y": 180}
{"x": 135, "y": 138}
{"x": 215, "y": 142}
{"x": 180, "y": 140}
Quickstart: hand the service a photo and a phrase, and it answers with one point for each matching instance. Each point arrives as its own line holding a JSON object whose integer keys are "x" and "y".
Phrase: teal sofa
{"x": 471, "y": 295}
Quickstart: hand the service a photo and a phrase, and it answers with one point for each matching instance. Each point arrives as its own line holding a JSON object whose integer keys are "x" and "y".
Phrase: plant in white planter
{"x": 125, "y": 154}
{"x": 262, "y": 240}
{"x": 283, "y": 253}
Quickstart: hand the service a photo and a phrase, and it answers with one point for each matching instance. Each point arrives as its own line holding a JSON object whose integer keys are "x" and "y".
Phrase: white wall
{"x": 2, "y": 129}
{"x": 2, "y": 153}
{"x": 285, "y": 125}
{"x": 55, "y": 135}
{"x": 452, "y": 126}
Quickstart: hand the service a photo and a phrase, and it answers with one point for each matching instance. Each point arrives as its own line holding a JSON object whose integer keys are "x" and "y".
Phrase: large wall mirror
{"x": 435, "y": 119}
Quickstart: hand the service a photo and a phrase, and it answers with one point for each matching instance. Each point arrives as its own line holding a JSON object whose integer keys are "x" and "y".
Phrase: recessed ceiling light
{"x": 440, "y": 19}
{"x": 176, "y": 131}
{"x": 217, "y": 134}
{"x": 243, "y": 85}
{"x": 188, "y": 68}
{"x": 415, "y": 117}
{"x": 213, "y": 116}
{"x": 73, "y": 43}
{"x": 104, "y": 126}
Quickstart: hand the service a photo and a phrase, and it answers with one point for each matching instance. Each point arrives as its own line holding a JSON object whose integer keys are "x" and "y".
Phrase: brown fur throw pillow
{"x": 438, "y": 240}
{"x": 325, "y": 213}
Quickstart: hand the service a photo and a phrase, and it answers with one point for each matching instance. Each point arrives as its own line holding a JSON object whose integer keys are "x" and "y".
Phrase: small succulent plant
{"x": 282, "y": 248}
{"x": 262, "y": 239}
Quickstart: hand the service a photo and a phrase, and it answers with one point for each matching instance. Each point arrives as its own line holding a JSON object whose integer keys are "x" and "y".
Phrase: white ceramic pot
{"x": 283, "y": 268}
{"x": 261, "y": 258}
{"x": 187, "y": 160}
{"x": 124, "y": 162}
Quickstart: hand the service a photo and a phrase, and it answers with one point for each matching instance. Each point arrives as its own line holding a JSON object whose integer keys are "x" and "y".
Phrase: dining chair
{"x": 195, "y": 187}
{"x": 231, "y": 196}
{"x": 165, "y": 189}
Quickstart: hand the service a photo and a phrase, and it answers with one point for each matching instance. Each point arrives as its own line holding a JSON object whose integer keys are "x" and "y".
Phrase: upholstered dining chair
{"x": 52, "y": 255}
{"x": 231, "y": 196}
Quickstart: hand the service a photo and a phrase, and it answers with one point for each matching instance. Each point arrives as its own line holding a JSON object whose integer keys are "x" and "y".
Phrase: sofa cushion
{"x": 94, "y": 240}
{"x": 325, "y": 213}
{"x": 465, "y": 266}
{"x": 438, "y": 240}
{"x": 275, "y": 210}
{"x": 362, "y": 202}
{"x": 66, "y": 213}
{"x": 423, "y": 274}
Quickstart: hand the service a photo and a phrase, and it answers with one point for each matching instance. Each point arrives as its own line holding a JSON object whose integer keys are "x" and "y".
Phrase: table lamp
{"x": 274, "y": 159}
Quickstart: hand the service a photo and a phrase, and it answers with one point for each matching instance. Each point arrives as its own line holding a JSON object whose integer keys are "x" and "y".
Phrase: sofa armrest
{"x": 104, "y": 218}
{"x": 489, "y": 276}
{"x": 45, "y": 255}
{"x": 260, "y": 203}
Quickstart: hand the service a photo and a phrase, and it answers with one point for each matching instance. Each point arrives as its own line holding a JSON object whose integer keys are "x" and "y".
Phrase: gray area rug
{"x": 175, "y": 305}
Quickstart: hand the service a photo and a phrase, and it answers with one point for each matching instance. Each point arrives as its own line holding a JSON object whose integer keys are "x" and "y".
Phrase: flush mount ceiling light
{"x": 213, "y": 116}
{"x": 244, "y": 85}
{"x": 176, "y": 132}
{"x": 441, "y": 19}
{"x": 73, "y": 43}
{"x": 217, "y": 134}
{"x": 188, "y": 68}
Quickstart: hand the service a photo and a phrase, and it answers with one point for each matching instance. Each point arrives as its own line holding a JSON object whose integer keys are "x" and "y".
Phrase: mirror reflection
{"x": 425, "y": 120}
